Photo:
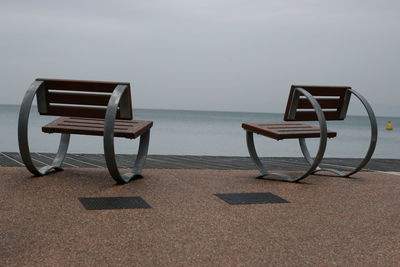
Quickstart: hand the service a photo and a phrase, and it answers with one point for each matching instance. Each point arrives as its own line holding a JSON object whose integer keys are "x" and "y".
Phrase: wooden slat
{"x": 125, "y": 128}
{"x": 283, "y": 132}
{"x": 304, "y": 130}
{"x": 79, "y": 99}
{"x": 116, "y": 127}
{"x": 316, "y": 90}
{"x": 290, "y": 127}
{"x": 79, "y": 85}
{"x": 324, "y": 103}
{"x": 312, "y": 116}
{"x": 282, "y": 124}
{"x": 121, "y": 124}
{"x": 94, "y": 122}
{"x": 78, "y": 111}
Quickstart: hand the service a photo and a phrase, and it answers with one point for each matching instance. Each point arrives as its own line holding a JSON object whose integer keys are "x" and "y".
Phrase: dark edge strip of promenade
{"x": 79, "y": 160}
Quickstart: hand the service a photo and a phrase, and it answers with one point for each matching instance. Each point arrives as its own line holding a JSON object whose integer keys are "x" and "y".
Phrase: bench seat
{"x": 285, "y": 130}
{"x": 90, "y": 126}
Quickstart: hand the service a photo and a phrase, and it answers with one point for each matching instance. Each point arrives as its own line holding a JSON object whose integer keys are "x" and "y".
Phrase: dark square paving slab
{"x": 251, "y": 198}
{"x": 113, "y": 203}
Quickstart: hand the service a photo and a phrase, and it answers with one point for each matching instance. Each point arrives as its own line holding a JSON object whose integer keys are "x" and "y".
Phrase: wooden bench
{"x": 310, "y": 103}
{"x": 87, "y": 108}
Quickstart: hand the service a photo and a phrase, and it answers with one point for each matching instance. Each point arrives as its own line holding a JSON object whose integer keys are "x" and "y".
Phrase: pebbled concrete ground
{"x": 327, "y": 222}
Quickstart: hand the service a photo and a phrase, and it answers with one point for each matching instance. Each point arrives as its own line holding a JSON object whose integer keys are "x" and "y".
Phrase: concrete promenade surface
{"x": 327, "y": 222}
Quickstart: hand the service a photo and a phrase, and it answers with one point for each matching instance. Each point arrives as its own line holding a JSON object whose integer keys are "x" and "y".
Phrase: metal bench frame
{"x": 116, "y": 99}
{"x": 314, "y": 163}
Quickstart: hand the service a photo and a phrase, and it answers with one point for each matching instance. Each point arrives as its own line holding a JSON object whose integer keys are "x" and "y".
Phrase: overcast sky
{"x": 223, "y": 55}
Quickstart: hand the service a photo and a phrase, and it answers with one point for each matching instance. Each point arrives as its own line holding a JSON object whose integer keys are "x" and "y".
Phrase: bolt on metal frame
{"x": 108, "y": 138}
{"x": 314, "y": 163}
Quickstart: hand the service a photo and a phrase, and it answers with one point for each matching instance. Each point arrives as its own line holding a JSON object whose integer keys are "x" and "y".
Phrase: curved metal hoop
{"x": 372, "y": 144}
{"x": 23, "y": 141}
{"x": 313, "y": 163}
{"x": 309, "y": 159}
{"x": 108, "y": 141}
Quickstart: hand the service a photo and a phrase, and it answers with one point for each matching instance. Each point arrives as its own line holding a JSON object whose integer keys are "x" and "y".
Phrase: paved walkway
{"x": 326, "y": 222}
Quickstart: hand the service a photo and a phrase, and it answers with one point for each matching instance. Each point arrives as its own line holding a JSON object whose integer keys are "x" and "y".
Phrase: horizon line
{"x": 222, "y": 111}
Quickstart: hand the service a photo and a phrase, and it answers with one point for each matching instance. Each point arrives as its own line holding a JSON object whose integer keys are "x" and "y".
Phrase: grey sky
{"x": 205, "y": 55}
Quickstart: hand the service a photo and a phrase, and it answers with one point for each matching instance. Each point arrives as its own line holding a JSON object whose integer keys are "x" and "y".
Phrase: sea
{"x": 215, "y": 133}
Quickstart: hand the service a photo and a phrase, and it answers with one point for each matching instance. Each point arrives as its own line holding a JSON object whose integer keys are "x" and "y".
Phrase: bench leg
{"x": 140, "y": 158}
{"x": 142, "y": 153}
{"x": 139, "y": 163}
{"x": 23, "y": 141}
{"x": 57, "y": 161}
{"x": 59, "y": 158}
{"x": 374, "y": 134}
{"x": 310, "y": 161}
{"x": 265, "y": 174}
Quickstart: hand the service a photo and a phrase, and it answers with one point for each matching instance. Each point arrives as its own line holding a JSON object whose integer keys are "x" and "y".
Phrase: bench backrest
{"x": 77, "y": 98}
{"x": 334, "y": 101}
